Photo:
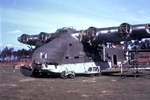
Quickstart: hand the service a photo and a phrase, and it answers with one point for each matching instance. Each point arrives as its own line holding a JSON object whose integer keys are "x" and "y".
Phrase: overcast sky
{"x": 34, "y": 16}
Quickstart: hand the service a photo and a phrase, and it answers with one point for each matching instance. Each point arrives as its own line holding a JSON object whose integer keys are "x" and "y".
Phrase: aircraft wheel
{"x": 98, "y": 74}
{"x": 63, "y": 75}
{"x": 72, "y": 75}
{"x": 92, "y": 75}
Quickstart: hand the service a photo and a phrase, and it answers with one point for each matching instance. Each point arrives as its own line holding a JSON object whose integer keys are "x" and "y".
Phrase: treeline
{"x": 8, "y": 54}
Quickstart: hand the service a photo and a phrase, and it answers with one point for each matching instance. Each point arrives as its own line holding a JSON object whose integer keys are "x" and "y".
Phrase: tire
{"x": 63, "y": 75}
{"x": 73, "y": 75}
{"x": 92, "y": 75}
{"x": 98, "y": 74}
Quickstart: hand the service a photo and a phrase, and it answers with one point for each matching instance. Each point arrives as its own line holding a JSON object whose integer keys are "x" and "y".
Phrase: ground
{"x": 15, "y": 86}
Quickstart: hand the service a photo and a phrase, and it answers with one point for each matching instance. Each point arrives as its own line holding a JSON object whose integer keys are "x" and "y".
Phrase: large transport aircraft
{"x": 68, "y": 52}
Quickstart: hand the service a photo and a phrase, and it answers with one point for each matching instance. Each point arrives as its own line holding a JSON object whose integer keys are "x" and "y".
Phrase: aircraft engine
{"x": 124, "y": 30}
{"x": 91, "y": 33}
{"x": 23, "y": 38}
{"x": 43, "y": 36}
{"x": 147, "y": 28}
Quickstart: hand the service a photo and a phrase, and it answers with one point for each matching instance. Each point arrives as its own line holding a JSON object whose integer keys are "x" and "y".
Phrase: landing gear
{"x": 64, "y": 75}
{"x": 70, "y": 74}
{"x": 92, "y": 75}
{"x": 99, "y": 73}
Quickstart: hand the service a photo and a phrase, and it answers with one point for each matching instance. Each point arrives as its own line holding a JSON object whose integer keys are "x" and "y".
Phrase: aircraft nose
{"x": 53, "y": 51}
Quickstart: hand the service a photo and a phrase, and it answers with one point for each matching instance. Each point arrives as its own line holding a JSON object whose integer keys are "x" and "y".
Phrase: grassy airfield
{"x": 15, "y": 86}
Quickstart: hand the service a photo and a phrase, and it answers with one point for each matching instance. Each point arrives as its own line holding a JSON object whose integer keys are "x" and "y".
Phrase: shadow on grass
{"x": 110, "y": 73}
{"x": 125, "y": 74}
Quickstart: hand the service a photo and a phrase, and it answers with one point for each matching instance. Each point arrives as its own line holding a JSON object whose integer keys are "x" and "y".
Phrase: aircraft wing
{"x": 92, "y": 35}
{"x": 125, "y": 32}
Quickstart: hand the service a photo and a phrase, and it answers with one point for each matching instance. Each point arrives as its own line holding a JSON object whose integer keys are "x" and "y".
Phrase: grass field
{"x": 15, "y": 86}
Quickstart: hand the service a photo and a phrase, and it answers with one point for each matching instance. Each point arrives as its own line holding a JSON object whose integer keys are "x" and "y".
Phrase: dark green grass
{"x": 15, "y": 86}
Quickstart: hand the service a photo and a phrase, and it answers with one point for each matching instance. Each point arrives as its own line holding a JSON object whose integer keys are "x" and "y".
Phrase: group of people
{"x": 134, "y": 45}
{"x": 141, "y": 45}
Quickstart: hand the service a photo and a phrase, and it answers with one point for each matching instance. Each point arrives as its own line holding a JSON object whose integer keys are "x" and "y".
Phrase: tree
{"x": 4, "y": 53}
{"x": 7, "y": 53}
{"x": 15, "y": 54}
{"x": 10, "y": 52}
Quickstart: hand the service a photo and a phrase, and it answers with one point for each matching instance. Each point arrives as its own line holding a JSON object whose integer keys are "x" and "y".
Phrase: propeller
{"x": 147, "y": 28}
{"x": 91, "y": 33}
{"x": 124, "y": 30}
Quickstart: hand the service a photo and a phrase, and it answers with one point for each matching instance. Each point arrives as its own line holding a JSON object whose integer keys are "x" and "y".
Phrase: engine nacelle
{"x": 125, "y": 30}
{"x": 24, "y": 38}
{"x": 147, "y": 28}
{"x": 43, "y": 36}
{"x": 91, "y": 33}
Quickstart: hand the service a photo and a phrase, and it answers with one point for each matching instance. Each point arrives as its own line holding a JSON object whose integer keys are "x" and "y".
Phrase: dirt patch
{"x": 27, "y": 80}
{"x": 90, "y": 80}
{"x": 85, "y": 96}
{"x": 8, "y": 85}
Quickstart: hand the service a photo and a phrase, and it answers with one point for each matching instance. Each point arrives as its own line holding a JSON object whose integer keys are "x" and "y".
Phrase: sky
{"x": 19, "y": 17}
